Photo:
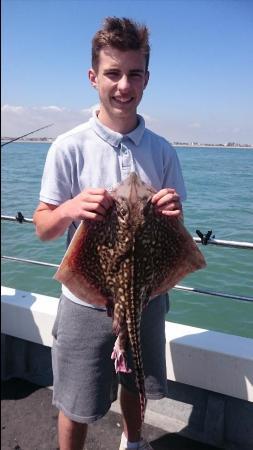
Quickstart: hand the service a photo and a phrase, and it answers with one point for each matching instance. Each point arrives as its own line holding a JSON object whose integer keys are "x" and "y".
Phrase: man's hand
{"x": 167, "y": 202}
{"x": 92, "y": 203}
{"x": 51, "y": 221}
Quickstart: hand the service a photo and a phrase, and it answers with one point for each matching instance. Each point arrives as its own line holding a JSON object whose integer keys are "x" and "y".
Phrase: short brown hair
{"x": 123, "y": 34}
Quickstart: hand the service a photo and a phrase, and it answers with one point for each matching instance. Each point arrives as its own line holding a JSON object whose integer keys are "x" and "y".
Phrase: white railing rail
{"x": 221, "y": 242}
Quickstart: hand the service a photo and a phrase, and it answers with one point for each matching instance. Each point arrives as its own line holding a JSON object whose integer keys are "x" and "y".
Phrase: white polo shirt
{"x": 93, "y": 156}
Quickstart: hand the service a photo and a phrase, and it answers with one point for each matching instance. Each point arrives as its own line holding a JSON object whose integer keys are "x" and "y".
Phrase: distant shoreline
{"x": 197, "y": 145}
{"x": 227, "y": 147}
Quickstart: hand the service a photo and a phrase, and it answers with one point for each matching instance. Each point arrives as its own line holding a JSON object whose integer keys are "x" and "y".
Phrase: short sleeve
{"x": 173, "y": 177}
{"x": 56, "y": 179}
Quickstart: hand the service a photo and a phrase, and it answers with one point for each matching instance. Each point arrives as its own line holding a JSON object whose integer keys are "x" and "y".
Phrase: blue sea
{"x": 219, "y": 184}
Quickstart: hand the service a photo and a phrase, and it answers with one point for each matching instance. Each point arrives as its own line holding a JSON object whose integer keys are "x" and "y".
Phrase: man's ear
{"x": 93, "y": 77}
{"x": 146, "y": 79}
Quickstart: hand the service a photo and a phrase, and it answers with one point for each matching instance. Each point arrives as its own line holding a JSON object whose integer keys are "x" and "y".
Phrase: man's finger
{"x": 161, "y": 194}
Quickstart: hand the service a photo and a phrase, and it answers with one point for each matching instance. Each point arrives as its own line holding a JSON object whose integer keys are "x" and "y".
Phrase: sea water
{"x": 219, "y": 184}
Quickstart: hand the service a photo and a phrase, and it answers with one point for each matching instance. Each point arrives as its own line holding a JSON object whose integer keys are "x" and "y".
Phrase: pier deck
{"x": 29, "y": 422}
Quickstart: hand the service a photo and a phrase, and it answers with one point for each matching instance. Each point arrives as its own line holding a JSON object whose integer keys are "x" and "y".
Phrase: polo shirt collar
{"x": 114, "y": 138}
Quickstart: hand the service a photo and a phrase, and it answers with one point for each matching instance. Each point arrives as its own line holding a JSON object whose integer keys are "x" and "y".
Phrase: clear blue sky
{"x": 201, "y": 85}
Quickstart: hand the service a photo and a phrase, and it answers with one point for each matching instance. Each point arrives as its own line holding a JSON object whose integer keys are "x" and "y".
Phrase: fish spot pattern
{"x": 122, "y": 262}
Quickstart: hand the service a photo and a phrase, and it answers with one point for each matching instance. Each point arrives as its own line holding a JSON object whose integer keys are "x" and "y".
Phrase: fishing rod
{"x": 24, "y": 135}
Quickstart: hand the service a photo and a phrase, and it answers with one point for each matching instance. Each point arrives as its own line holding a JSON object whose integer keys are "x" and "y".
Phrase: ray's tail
{"x": 133, "y": 327}
{"x": 131, "y": 333}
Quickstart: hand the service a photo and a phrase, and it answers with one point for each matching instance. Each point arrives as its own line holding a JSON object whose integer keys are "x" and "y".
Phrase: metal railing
{"x": 224, "y": 243}
{"x": 18, "y": 218}
{"x": 212, "y": 241}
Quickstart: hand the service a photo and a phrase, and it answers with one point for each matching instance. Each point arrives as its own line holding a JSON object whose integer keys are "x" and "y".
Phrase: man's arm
{"x": 51, "y": 221}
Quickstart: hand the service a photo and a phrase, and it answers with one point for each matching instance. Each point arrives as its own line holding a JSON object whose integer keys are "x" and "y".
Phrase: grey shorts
{"x": 85, "y": 382}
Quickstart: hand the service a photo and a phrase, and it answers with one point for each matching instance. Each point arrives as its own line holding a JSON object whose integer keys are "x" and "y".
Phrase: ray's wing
{"x": 87, "y": 263}
{"x": 182, "y": 255}
{"x": 165, "y": 253}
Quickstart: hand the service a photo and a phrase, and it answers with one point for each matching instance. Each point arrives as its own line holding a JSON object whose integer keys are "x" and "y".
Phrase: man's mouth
{"x": 122, "y": 101}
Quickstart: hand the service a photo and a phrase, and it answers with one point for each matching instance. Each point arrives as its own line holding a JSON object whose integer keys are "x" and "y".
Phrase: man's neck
{"x": 121, "y": 126}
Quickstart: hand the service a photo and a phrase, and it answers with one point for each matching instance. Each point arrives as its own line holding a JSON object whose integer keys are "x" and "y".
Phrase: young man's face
{"x": 120, "y": 79}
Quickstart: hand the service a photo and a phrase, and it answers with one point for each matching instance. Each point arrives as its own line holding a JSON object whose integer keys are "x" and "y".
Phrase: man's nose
{"x": 123, "y": 83}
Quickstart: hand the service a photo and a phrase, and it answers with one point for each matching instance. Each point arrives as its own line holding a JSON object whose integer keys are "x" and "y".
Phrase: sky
{"x": 201, "y": 67}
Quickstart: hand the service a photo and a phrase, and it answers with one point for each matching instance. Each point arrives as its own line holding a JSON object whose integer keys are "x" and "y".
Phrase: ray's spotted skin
{"x": 122, "y": 262}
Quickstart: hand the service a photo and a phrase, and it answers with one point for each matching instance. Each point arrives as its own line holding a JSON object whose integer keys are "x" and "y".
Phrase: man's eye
{"x": 112, "y": 74}
{"x": 136, "y": 75}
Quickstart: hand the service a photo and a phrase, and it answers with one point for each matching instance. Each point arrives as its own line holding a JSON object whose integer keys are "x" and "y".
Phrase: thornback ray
{"x": 133, "y": 255}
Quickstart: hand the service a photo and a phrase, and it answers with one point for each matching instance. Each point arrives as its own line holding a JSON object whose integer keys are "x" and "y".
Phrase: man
{"x": 81, "y": 167}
